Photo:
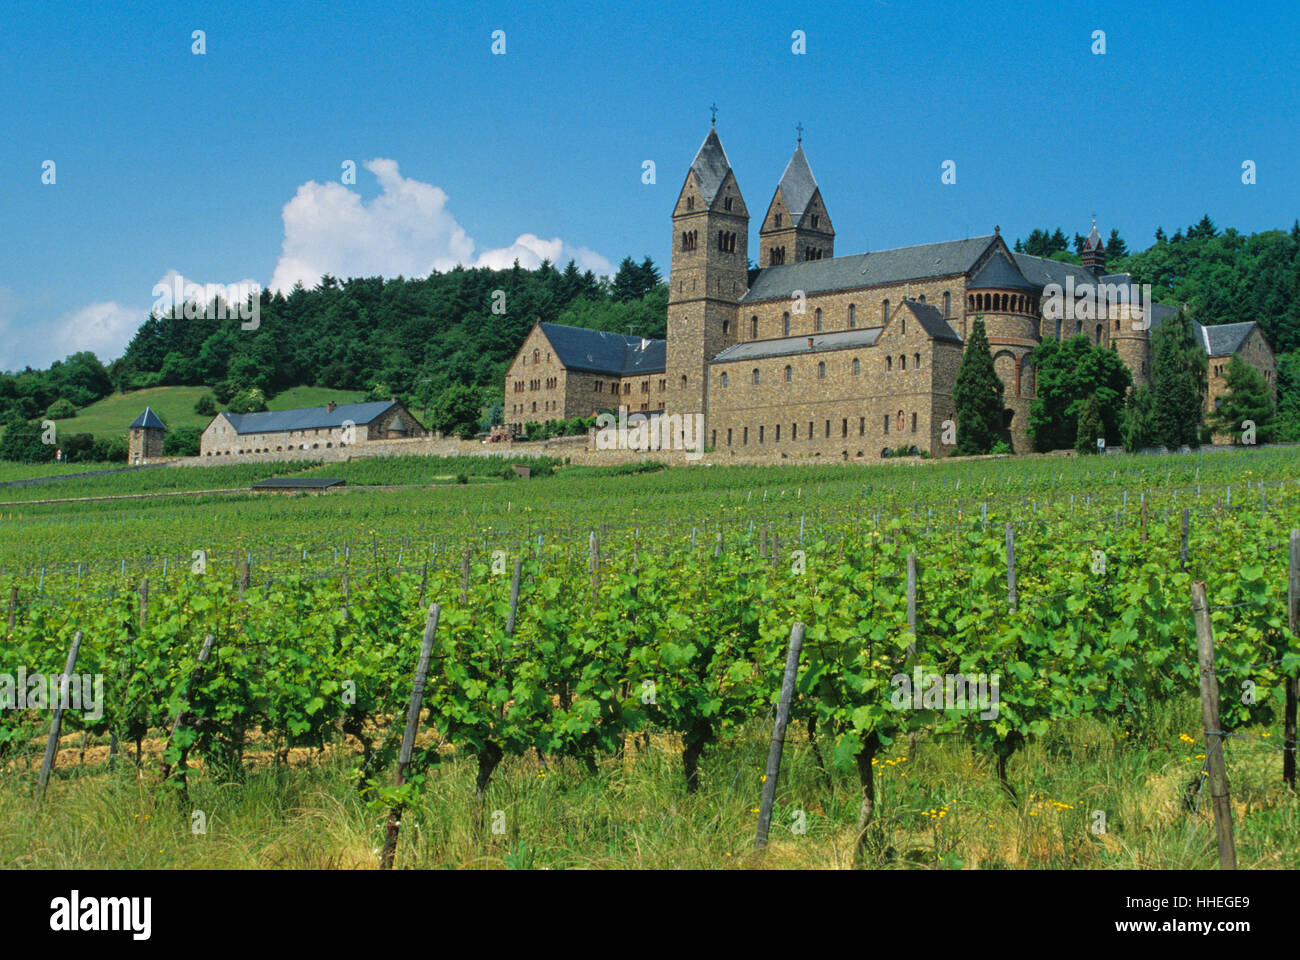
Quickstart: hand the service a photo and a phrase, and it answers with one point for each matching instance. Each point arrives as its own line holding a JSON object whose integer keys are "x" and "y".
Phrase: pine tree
{"x": 1178, "y": 373}
{"x": 1090, "y": 426}
{"x": 1058, "y": 244}
{"x": 1080, "y": 241}
{"x": 977, "y": 395}
{"x": 1160, "y": 235}
{"x": 1248, "y": 401}
{"x": 1115, "y": 246}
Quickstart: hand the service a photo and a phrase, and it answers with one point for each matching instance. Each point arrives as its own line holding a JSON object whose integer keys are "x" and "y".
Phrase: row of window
{"x": 599, "y": 386}
{"x": 279, "y": 449}
{"x": 551, "y": 383}
{"x": 898, "y": 420}
{"x": 1001, "y": 302}
{"x": 819, "y": 323}
{"x": 821, "y": 368}
{"x": 537, "y": 358}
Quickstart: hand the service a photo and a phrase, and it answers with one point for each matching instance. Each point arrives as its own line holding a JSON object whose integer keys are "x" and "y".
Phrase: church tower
{"x": 796, "y": 227}
{"x": 708, "y": 276}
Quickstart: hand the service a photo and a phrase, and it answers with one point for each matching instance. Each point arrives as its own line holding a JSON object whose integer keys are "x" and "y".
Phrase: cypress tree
{"x": 1090, "y": 426}
{"x": 1248, "y": 399}
{"x": 1178, "y": 374}
{"x": 1139, "y": 427}
{"x": 977, "y": 395}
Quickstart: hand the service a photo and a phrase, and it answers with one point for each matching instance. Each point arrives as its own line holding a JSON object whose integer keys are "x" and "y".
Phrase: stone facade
{"x": 145, "y": 443}
{"x": 221, "y": 438}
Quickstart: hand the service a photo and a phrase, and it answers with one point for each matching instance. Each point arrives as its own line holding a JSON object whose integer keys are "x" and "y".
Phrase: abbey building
{"x": 848, "y": 356}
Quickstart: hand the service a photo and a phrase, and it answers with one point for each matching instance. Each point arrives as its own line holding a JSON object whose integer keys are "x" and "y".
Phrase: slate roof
{"x": 1041, "y": 271}
{"x": 149, "y": 420}
{"x": 797, "y": 185}
{"x": 1000, "y": 273}
{"x": 307, "y": 418}
{"x": 867, "y": 269}
{"x": 932, "y": 321}
{"x": 790, "y": 346}
{"x": 710, "y": 166}
{"x": 1094, "y": 238}
{"x": 595, "y": 351}
{"x": 1225, "y": 338}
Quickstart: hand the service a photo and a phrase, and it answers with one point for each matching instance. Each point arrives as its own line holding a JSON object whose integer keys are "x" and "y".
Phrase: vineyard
{"x": 598, "y": 661}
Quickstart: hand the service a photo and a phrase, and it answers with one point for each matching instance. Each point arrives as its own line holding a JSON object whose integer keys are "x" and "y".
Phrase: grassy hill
{"x": 175, "y": 405}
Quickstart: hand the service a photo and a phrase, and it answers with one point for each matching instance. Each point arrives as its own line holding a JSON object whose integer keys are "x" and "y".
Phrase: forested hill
{"x": 411, "y": 338}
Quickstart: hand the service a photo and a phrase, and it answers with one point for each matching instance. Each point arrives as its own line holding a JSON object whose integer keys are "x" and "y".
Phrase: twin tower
{"x": 710, "y": 273}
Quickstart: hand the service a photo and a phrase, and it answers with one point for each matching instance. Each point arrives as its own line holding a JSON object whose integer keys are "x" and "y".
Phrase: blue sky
{"x": 226, "y": 167}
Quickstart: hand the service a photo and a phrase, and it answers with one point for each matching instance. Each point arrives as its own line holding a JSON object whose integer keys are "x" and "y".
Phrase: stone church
{"x": 813, "y": 354}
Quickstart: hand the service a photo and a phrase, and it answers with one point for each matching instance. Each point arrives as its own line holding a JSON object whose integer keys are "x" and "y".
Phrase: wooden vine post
{"x": 52, "y": 746}
{"x": 778, "y": 736}
{"x": 408, "y": 736}
{"x": 1214, "y": 736}
{"x": 911, "y": 628}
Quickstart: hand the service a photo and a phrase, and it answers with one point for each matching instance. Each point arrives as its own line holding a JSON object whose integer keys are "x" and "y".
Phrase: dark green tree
{"x": 1248, "y": 401}
{"x": 1178, "y": 375}
{"x": 1115, "y": 246}
{"x": 1068, "y": 374}
{"x": 21, "y": 443}
{"x": 206, "y": 406}
{"x": 977, "y": 395}
{"x": 1138, "y": 428}
{"x": 1090, "y": 426}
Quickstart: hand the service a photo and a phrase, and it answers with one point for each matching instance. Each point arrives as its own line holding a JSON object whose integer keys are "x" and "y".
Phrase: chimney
{"x": 330, "y": 406}
{"x": 1094, "y": 252}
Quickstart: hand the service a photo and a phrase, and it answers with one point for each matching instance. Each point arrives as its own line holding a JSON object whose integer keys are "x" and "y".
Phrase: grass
{"x": 175, "y": 405}
{"x": 941, "y": 809}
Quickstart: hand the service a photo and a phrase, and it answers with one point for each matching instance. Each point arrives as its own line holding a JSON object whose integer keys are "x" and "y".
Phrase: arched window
{"x": 898, "y": 421}
{"x": 857, "y": 366}
{"x": 922, "y": 298}
{"x": 776, "y": 220}
{"x": 1099, "y": 334}
{"x": 756, "y": 376}
{"x": 690, "y": 203}
{"x": 788, "y": 373}
{"x": 726, "y": 327}
{"x": 753, "y": 328}
{"x": 819, "y": 319}
{"x": 884, "y": 311}
{"x": 726, "y": 203}
{"x": 724, "y": 379}
{"x": 821, "y": 370}
{"x": 785, "y": 324}
{"x": 889, "y": 364}
{"x": 970, "y": 301}
{"x": 916, "y": 357}
{"x": 1078, "y": 327}
{"x": 853, "y": 316}
{"x": 947, "y": 303}
{"x": 902, "y": 361}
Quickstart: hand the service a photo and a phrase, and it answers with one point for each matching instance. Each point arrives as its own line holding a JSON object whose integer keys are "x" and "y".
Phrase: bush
{"x": 21, "y": 443}
{"x": 206, "y": 406}
{"x": 61, "y": 409}
{"x": 78, "y": 448}
{"x": 251, "y": 400}
{"x": 182, "y": 442}
{"x": 1001, "y": 447}
{"x": 461, "y": 478}
{"x": 110, "y": 449}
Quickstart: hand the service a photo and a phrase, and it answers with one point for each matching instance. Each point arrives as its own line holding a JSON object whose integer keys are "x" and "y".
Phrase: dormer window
{"x": 776, "y": 220}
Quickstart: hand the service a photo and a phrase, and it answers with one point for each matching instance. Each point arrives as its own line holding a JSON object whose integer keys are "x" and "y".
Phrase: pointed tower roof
{"x": 710, "y": 166}
{"x": 149, "y": 420}
{"x": 1094, "y": 238}
{"x": 797, "y": 185}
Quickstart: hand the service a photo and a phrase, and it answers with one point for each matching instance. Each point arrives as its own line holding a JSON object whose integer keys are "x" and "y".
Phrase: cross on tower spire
{"x": 799, "y": 130}
{"x": 714, "y": 111}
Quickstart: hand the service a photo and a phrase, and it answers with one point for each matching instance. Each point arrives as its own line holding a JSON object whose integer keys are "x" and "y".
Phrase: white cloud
{"x": 406, "y": 230}
{"x": 102, "y": 328}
